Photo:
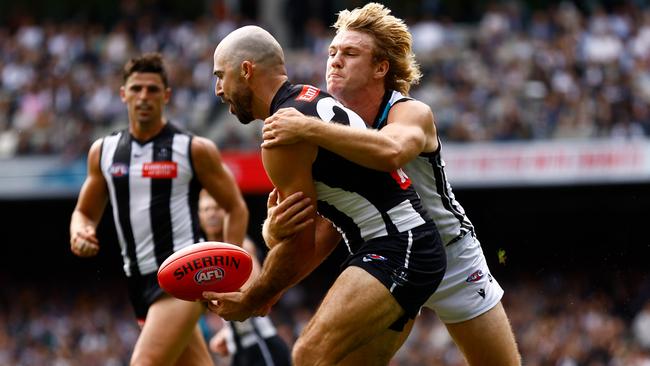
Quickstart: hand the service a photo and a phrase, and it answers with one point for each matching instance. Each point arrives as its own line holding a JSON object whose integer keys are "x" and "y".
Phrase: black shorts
{"x": 143, "y": 291}
{"x": 410, "y": 264}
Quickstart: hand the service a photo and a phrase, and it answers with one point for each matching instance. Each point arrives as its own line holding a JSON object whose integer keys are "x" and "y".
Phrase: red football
{"x": 206, "y": 266}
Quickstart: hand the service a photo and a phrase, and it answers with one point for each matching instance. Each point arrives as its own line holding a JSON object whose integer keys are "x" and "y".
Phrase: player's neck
{"x": 265, "y": 91}
{"x": 364, "y": 102}
{"x": 144, "y": 131}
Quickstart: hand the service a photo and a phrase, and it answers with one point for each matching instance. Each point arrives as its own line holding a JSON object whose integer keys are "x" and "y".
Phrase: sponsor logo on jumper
{"x": 207, "y": 263}
{"x": 160, "y": 170}
{"x": 373, "y": 257}
{"x": 475, "y": 276}
{"x": 401, "y": 178}
{"x": 308, "y": 93}
{"x": 118, "y": 170}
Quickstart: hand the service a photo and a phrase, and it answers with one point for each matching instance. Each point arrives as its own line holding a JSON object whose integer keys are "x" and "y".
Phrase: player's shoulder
{"x": 96, "y": 146}
{"x": 174, "y": 128}
{"x": 202, "y": 144}
{"x": 413, "y": 106}
{"x": 299, "y": 95}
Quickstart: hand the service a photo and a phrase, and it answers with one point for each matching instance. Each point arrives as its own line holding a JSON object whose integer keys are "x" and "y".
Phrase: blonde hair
{"x": 392, "y": 42}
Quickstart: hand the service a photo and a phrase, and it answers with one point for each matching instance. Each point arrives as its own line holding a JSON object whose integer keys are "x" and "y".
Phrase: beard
{"x": 242, "y": 105}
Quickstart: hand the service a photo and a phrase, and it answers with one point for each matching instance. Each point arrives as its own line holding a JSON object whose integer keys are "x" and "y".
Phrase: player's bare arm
{"x": 410, "y": 131}
{"x": 288, "y": 217}
{"x": 90, "y": 207}
{"x": 221, "y": 185}
{"x": 327, "y": 238}
{"x": 250, "y": 247}
{"x": 285, "y": 219}
{"x": 288, "y": 262}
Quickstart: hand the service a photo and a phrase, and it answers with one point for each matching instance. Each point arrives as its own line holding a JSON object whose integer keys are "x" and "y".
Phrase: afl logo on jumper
{"x": 118, "y": 170}
{"x": 308, "y": 93}
{"x": 160, "y": 170}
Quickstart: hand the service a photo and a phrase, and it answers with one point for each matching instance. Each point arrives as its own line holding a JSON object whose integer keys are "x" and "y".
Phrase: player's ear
{"x": 167, "y": 95}
{"x": 246, "y": 69}
{"x": 123, "y": 93}
{"x": 381, "y": 69}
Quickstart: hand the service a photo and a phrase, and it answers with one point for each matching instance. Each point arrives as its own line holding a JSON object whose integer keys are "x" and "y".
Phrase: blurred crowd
{"x": 559, "y": 319}
{"x": 554, "y": 74}
{"x": 517, "y": 73}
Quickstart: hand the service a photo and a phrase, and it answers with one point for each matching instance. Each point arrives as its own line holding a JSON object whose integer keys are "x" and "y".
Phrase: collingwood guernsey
{"x": 362, "y": 203}
{"x": 154, "y": 193}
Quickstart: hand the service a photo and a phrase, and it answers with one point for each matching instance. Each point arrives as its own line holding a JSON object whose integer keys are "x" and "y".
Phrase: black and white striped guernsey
{"x": 362, "y": 203}
{"x": 154, "y": 194}
{"x": 427, "y": 172}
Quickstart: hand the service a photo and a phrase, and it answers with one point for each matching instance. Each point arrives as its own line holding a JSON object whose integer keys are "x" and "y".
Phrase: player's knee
{"x": 308, "y": 352}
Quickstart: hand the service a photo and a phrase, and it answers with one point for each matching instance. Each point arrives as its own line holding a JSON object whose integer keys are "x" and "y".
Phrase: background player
{"x": 396, "y": 259}
{"x": 370, "y": 69}
{"x": 153, "y": 172}
{"x": 253, "y": 342}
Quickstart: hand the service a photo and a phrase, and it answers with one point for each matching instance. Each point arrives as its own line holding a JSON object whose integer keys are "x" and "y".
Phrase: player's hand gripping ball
{"x": 207, "y": 266}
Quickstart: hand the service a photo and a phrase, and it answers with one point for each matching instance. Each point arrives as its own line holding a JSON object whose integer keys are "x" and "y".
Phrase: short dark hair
{"x": 148, "y": 62}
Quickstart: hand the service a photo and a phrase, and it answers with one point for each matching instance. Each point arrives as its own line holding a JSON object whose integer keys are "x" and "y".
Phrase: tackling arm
{"x": 290, "y": 216}
{"x": 285, "y": 219}
{"x": 410, "y": 130}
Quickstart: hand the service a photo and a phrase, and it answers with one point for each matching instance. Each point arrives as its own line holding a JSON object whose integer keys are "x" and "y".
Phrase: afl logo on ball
{"x": 118, "y": 169}
{"x": 208, "y": 275}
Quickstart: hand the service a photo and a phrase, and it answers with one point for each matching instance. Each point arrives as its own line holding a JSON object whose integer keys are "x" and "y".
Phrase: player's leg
{"x": 384, "y": 284}
{"x": 499, "y": 348}
{"x": 468, "y": 302}
{"x": 487, "y": 339}
{"x": 357, "y": 308}
{"x": 196, "y": 352}
{"x": 170, "y": 326}
{"x": 380, "y": 349}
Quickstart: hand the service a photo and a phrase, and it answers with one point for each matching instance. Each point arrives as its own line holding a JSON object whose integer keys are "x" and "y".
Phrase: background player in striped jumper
{"x": 253, "y": 342}
{"x": 396, "y": 257}
{"x": 152, "y": 172}
{"x": 370, "y": 70}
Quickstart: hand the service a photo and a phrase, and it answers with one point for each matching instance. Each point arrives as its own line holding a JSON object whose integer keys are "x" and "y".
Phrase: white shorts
{"x": 468, "y": 289}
